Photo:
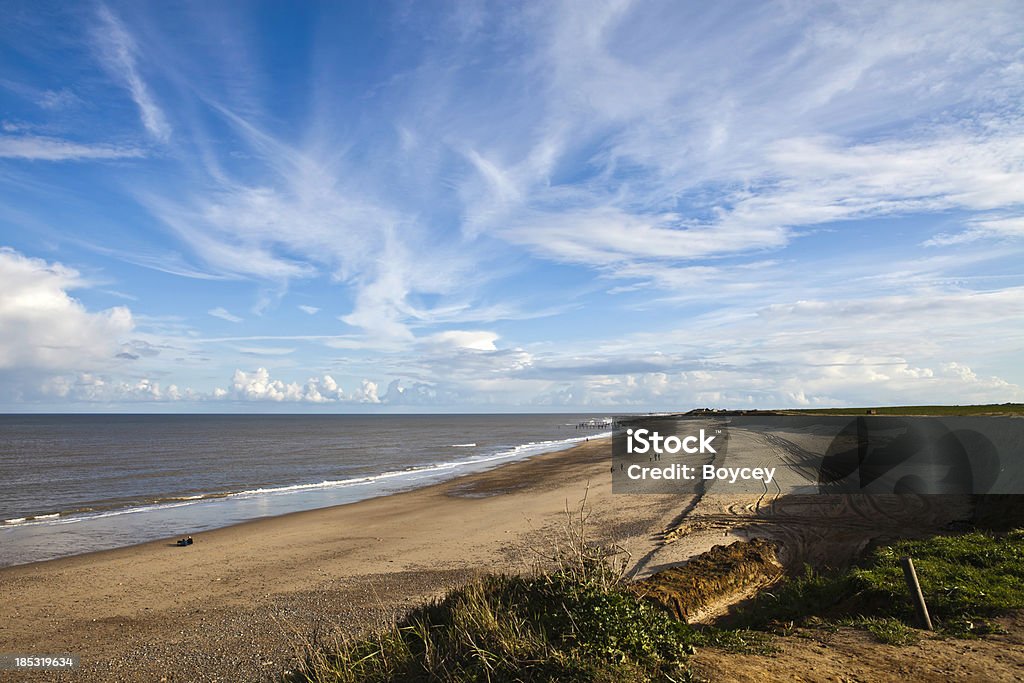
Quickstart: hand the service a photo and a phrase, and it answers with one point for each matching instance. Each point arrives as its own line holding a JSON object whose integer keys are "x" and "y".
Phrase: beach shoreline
{"x": 242, "y": 602}
{"x": 237, "y": 602}
{"x": 156, "y": 515}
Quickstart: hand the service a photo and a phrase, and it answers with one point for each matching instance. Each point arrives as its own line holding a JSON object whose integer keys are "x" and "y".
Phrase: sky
{"x": 484, "y": 207}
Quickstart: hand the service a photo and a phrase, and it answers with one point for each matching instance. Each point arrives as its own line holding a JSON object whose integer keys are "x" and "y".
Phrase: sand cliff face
{"x": 707, "y": 584}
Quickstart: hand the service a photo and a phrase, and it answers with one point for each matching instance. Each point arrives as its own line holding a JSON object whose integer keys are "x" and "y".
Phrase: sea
{"x": 72, "y": 484}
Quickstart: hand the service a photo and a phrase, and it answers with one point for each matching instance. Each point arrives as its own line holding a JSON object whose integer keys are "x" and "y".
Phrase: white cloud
{"x": 422, "y": 394}
{"x": 809, "y": 117}
{"x": 477, "y": 340}
{"x": 266, "y": 350}
{"x": 90, "y": 388}
{"x": 792, "y": 183}
{"x": 43, "y": 328}
{"x": 982, "y": 228}
{"x": 259, "y": 386}
{"x": 120, "y": 54}
{"x": 304, "y": 219}
{"x": 58, "y": 99}
{"x": 36, "y": 148}
{"x": 858, "y": 384}
{"x": 367, "y": 392}
{"x": 224, "y": 314}
{"x": 735, "y": 179}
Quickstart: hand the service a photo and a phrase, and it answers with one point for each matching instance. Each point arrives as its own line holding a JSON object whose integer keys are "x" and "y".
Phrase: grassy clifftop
{"x": 979, "y": 410}
{"x": 581, "y": 622}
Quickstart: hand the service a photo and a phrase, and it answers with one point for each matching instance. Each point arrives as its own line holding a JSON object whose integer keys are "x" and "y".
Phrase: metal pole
{"x": 915, "y": 593}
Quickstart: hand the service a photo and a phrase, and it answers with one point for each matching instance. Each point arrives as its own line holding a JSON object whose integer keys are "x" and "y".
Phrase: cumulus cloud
{"x": 42, "y": 327}
{"x": 309, "y": 310}
{"x": 92, "y": 388}
{"x": 418, "y": 394}
{"x": 259, "y": 386}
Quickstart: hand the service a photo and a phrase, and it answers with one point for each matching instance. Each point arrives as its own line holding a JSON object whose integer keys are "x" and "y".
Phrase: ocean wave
{"x": 440, "y": 470}
{"x": 463, "y": 445}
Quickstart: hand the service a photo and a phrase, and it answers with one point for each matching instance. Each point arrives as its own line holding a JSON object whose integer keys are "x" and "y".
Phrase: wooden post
{"x": 915, "y": 593}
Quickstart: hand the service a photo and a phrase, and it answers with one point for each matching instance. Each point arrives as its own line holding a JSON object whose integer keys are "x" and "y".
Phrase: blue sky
{"x": 222, "y": 206}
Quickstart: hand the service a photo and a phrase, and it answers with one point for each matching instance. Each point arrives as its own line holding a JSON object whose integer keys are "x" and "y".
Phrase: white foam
{"x": 414, "y": 473}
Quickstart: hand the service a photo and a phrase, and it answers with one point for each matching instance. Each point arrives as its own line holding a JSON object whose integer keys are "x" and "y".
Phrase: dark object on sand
{"x": 185, "y": 541}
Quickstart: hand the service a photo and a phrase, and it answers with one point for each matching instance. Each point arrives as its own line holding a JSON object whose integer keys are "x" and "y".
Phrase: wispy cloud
{"x": 37, "y": 148}
{"x": 616, "y": 203}
{"x": 302, "y": 220}
{"x": 265, "y": 350}
{"x": 982, "y": 228}
{"x": 224, "y": 314}
{"x": 58, "y": 99}
{"x": 120, "y": 54}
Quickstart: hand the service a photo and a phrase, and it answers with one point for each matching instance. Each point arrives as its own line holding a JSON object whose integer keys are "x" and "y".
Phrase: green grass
{"x": 550, "y": 627}
{"x": 888, "y": 630}
{"x": 578, "y": 621}
{"x": 966, "y": 580}
{"x": 573, "y": 621}
{"x": 991, "y": 409}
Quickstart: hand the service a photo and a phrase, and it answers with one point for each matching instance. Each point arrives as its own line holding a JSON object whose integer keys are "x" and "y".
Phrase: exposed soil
{"x": 710, "y": 582}
{"x": 848, "y": 654}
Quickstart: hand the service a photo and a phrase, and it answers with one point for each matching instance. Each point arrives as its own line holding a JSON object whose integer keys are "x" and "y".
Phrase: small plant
{"x": 888, "y": 630}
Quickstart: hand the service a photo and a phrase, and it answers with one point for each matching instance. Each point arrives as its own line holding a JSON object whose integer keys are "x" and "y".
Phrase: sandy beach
{"x": 234, "y": 605}
{"x": 240, "y": 602}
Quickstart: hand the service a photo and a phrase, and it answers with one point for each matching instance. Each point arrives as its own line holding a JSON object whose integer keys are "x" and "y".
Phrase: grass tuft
{"x": 966, "y": 579}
